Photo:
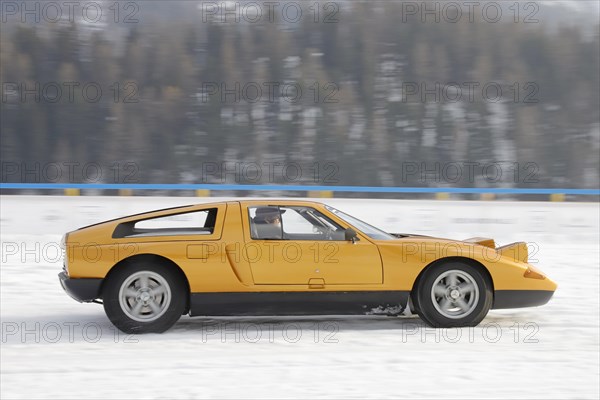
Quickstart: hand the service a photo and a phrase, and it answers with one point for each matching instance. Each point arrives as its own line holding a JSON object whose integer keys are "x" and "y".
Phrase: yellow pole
{"x": 488, "y": 196}
{"x": 72, "y": 192}
{"x": 320, "y": 194}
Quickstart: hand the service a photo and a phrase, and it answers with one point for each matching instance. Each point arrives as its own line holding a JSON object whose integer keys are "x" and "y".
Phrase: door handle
{"x": 316, "y": 283}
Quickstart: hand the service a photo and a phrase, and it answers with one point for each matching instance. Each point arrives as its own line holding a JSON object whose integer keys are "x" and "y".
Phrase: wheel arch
{"x": 469, "y": 261}
{"x": 151, "y": 259}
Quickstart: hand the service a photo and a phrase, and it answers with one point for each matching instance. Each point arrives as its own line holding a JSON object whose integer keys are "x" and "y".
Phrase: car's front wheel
{"x": 144, "y": 298}
{"x": 454, "y": 294}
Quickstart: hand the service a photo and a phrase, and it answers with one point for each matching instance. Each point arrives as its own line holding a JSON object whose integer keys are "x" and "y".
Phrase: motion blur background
{"x": 378, "y": 93}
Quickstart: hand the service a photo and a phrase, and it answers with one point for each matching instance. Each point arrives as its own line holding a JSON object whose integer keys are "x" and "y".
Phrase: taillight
{"x": 63, "y": 246}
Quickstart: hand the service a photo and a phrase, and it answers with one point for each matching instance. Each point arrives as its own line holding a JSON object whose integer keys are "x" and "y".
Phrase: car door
{"x": 307, "y": 248}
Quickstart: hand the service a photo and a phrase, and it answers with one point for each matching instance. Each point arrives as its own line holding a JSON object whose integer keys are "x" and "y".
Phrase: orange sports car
{"x": 279, "y": 257}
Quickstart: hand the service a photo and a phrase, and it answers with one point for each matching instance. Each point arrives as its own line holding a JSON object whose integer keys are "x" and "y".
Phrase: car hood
{"x": 482, "y": 241}
{"x": 517, "y": 251}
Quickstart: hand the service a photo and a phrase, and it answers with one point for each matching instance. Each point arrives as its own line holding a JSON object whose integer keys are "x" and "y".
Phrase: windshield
{"x": 369, "y": 230}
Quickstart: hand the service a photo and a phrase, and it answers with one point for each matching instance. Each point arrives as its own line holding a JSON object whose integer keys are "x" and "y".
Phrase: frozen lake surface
{"x": 54, "y": 347}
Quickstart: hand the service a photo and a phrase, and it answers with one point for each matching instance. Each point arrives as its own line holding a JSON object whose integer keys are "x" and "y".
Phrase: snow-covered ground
{"x": 54, "y": 347}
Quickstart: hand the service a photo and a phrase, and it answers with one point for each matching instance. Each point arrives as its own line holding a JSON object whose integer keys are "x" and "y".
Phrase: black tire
{"x": 153, "y": 308}
{"x": 415, "y": 303}
{"x": 462, "y": 295}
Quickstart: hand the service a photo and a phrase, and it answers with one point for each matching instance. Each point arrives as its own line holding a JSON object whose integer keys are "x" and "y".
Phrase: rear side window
{"x": 190, "y": 223}
{"x": 188, "y": 220}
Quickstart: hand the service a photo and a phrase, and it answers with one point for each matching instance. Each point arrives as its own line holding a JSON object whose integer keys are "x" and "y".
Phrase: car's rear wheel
{"x": 454, "y": 294}
{"x": 144, "y": 298}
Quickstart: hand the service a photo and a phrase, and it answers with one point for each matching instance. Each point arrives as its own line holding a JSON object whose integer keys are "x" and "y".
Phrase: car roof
{"x": 279, "y": 202}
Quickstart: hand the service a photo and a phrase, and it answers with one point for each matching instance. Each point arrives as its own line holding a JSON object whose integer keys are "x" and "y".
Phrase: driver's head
{"x": 268, "y": 215}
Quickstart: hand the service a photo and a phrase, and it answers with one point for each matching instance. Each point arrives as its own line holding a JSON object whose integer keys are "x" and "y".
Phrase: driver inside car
{"x": 267, "y": 221}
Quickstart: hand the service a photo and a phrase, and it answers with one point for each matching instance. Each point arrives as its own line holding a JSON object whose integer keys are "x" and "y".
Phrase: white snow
{"x": 54, "y": 347}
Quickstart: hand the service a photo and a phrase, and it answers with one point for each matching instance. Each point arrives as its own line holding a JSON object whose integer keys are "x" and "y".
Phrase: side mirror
{"x": 350, "y": 234}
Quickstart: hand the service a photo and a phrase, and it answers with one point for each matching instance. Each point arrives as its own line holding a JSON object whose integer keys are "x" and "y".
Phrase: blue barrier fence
{"x": 362, "y": 189}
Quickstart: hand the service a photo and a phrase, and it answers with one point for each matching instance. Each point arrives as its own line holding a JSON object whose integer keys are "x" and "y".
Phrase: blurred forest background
{"x": 172, "y": 126}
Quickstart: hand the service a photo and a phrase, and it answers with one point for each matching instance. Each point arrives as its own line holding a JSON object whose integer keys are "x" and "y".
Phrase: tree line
{"x": 364, "y": 100}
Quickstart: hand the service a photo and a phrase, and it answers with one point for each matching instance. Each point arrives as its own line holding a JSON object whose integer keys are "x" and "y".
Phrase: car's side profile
{"x": 288, "y": 258}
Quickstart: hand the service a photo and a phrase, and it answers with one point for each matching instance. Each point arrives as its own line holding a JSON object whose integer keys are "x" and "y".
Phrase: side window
{"x": 188, "y": 220}
{"x": 306, "y": 223}
{"x": 189, "y": 223}
{"x": 292, "y": 223}
{"x": 265, "y": 223}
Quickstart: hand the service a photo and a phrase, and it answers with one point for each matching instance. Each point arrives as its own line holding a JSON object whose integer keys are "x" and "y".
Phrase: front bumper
{"x": 82, "y": 290}
{"x": 521, "y": 298}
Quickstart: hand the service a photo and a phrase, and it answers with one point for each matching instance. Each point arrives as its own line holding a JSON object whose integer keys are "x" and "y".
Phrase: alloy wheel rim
{"x": 145, "y": 296}
{"x": 455, "y": 294}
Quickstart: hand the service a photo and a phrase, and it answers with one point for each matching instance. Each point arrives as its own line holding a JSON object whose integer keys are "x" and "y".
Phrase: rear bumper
{"x": 521, "y": 298}
{"x": 82, "y": 290}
